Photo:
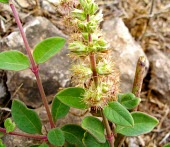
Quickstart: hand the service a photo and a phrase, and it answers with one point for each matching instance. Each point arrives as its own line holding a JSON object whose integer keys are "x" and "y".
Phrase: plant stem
{"x": 139, "y": 75}
{"x": 43, "y": 96}
{"x": 110, "y": 136}
{"x": 93, "y": 67}
{"x": 136, "y": 90}
{"x": 34, "y": 66}
{"x": 40, "y": 137}
{"x": 92, "y": 58}
{"x": 95, "y": 77}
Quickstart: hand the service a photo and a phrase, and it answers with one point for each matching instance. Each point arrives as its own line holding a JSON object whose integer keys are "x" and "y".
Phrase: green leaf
{"x": 26, "y": 119}
{"x": 118, "y": 114}
{"x": 9, "y": 125}
{"x": 4, "y": 1}
{"x": 143, "y": 123}
{"x": 72, "y": 97}
{"x": 128, "y": 100}
{"x": 41, "y": 145}
{"x": 47, "y": 48}
{"x": 56, "y": 137}
{"x": 1, "y": 143}
{"x": 73, "y": 134}
{"x": 95, "y": 127}
{"x": 89, "y": 141}
{"x": 59, "y": 109}
{"x": 167, "y": 145}
{"x": 13, "y": 60}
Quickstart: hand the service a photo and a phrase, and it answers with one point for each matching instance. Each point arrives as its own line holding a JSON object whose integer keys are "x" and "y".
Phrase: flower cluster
{"x": 94, "y": 69}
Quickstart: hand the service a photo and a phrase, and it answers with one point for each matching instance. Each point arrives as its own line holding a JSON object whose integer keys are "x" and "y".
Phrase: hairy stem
{"x": 136, "y": 90}
{"x": 93, "y": 67}
{"x": 34, "y": 66}
{"x": 39, "y": 137}
{"x": 95, "y": 77}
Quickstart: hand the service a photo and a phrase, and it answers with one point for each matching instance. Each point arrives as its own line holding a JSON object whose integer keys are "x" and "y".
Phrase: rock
{"x": 125, "y": 51}
{"x": 160, "y": 74}
{"x": 54, "y": 73}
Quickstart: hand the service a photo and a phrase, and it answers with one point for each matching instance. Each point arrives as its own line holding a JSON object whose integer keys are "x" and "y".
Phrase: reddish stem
{"x": 110, "y": 136}
{"x": 39, "y": 137}
{"x": 34, "y": 66}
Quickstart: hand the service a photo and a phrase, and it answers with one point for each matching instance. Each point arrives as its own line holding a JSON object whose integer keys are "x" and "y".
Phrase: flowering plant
{"x": 96, "y": 88}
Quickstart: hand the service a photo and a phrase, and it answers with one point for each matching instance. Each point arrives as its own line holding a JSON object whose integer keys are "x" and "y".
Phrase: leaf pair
{"x": 15, "y": 60}
{"x": 129, "y": 124}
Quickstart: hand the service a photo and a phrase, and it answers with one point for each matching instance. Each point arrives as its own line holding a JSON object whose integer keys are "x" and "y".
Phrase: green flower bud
{"x": 77, "y": 47}
{"x": 92, "y": 9}
{"x": 104, "y": 68}
{"x": 79, "y": 14}
{"x": 85, "y": 36}
{"x": 105, "y": 88}
{"x": 82, "y": 26}
{"x": 98, "y": 17}
{"x": 81, "y": 70}
{"x": 101, "y": 45}
{"x": 91, "y": 27}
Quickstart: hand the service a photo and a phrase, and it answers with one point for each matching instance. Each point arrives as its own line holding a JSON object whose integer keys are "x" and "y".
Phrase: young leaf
{"x": 47, "y": 48}
{"x": 72, "y": 97}
{"x": 73, "y": 134}
{"x": 26, "y": 119}
{"x": 9, "y": 125}
{"x": 59, "y": 109}
{"x": 143, "y": 123}
{"x": 89, "y": 140}
{"x": 56, "y": 137}
{"x": 4, "y": 1}
{"x": 13, "y": 60}
{"x": 167, "y": 145}
{"x": 128, "y": 100}
{"x": 95, "y": 127}
{"x": 118, "y": 114}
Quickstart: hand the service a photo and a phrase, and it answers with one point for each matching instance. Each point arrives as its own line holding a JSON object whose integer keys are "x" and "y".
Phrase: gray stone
{"x": 125, "y": 51}
{"x": 54, "y": 73}
{"x": 160, "y": 74}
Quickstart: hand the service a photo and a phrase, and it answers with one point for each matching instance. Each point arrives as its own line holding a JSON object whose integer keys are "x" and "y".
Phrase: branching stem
{"x": 34, "y": 66}
{"x": 39, "y": 137}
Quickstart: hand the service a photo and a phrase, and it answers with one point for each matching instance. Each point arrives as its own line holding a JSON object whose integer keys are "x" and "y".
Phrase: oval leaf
{"x": 13, "y": 60}
{"x": 59, "y": 109}
{"x": 89, "y": 140}
{"x": 143, "y": 123}
{"x": 72, "y": 97}
{"x": 9, "y": 125}
{"x": 95, "y": 127}
{"x": 73, "y": 134}
{"x": 128, "y": 100}
{"x": 56, "y": 137}
{"x": 26, "y": 119}
{"x": 118, "y": 114}
{"x": 4, "y": 1}
{"x": 47, "y": 48}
